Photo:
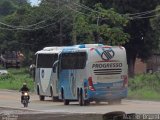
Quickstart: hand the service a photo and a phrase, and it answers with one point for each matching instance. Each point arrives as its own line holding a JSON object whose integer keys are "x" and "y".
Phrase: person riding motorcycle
{"x": 23, "y": 90}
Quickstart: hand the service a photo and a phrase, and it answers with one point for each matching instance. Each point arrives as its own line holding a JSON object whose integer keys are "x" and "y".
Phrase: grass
{"x": 15, "y": 79}
{"x": 144, "y": 87}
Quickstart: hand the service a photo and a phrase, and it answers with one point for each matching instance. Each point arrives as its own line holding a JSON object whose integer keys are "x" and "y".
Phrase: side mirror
{"x": 54, "y": 66}
{"x": 32, "y": 69}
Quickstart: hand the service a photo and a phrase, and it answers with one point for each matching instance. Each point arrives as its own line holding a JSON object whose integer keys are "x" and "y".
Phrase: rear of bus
{"x": 44, "y": 77}
{"x": 108, "y": 79}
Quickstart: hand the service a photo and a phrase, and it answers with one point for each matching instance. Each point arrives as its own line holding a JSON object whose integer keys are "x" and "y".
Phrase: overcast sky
{"x": 34, "y": 2}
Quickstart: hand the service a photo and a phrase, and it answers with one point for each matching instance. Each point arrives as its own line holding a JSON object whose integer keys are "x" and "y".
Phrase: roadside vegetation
{"x": 15, "y": 79}
{"x": 145, "y": 86}
{"x": 142, "y": 87}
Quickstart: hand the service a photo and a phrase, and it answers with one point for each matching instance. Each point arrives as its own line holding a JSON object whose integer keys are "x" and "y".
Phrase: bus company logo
{"x": 107, "y": 54}
{"x": 42, "y": 73}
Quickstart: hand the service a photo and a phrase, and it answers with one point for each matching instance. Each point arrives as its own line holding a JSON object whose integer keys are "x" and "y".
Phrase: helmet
{"x": 24, "y": 84}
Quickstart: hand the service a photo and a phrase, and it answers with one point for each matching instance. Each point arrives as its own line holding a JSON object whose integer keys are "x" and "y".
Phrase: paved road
{"x": 12, "y": 99}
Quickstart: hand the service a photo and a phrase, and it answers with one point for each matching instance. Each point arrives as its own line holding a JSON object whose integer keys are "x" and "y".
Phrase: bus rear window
{"x": 73, "y": 60}
{"x": 46, "y": 60}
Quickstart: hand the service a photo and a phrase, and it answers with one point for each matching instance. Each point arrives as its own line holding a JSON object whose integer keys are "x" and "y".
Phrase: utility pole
{"x": 74, "y": 38}
{"x": 60, "y": 27}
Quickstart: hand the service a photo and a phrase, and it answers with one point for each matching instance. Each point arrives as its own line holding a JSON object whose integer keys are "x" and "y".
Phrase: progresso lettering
{"x": 107, "y": 65}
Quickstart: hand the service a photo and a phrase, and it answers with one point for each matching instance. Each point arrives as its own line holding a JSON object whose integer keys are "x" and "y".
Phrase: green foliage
{"x": 106, "y": 23}
{"x": 156, "y": 28}
{"x": 33, "y": 28}
{"x": 7, "y": 7}
{"x": 145, "y": 86}
{"x": 15, "y": 79}
{"x": 40, "y": 26}
{"x": 142, "y": 37}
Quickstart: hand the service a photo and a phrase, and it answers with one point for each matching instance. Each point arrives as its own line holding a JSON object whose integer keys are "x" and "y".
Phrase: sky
{"x": 34, "y": 2}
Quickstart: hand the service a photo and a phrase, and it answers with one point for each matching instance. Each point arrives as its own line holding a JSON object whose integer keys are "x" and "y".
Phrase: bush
{"x": 15, "y": 79}
{"x": 144, "y": 86}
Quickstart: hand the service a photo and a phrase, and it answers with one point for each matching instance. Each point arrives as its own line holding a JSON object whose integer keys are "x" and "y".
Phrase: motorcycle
{"x": 25, "y": 99}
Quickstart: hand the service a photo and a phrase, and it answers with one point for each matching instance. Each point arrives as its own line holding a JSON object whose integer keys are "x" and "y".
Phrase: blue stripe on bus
{"x": 98, "y": 52}
{"x": 108, "y": 95}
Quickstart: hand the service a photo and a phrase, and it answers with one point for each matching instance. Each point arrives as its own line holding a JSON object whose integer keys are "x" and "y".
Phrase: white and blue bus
{"x": 45, "y": 78}
{"x": 92, "y": 73}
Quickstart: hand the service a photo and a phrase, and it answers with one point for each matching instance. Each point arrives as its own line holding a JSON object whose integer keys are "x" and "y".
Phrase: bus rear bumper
{"x": 107, "y": 95}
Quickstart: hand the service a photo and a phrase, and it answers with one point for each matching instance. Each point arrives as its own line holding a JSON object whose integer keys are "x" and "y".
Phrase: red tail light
{"x": 90, "y": 84}
{"x": 125, "y": 82}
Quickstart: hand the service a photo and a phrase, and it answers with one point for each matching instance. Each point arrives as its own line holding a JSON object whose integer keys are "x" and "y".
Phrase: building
{"x": 150, "y": 66}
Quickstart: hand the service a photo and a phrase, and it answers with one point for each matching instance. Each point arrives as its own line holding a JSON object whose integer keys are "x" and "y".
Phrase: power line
{"x": 144, "y": 13}
{"x": 85, "y": 7}
{"x": 131, "y": 16}
{"x": 28, "y": 27}
{"x": 41, "y": 27}
{"x": 76, "y": 10}
{"x": 32, "y": 25}
{"x": 25, "y": 28}
{"x": 145, "y": 17}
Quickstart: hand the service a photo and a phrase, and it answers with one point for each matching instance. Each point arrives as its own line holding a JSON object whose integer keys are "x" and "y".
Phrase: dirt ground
{"x": 12, "y": 109}
{"x": 19, "y": 114}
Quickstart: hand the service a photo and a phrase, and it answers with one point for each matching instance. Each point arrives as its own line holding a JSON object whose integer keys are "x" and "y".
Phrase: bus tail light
{"x": 90, "y": 84}
{"x": 125, "y": 82}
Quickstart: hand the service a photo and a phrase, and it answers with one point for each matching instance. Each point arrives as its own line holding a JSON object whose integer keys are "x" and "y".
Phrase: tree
{"x": 156, "y": 28}
{"x": 7, "y": 7}
{"x": 141, "y": 43}
{"x": 30, "y": 28}
{"x": 104, "y": 26}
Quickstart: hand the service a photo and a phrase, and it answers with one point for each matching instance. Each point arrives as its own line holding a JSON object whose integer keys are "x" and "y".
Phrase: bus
{"x": 45, "y": 79}
{"x": 92, "y": 73}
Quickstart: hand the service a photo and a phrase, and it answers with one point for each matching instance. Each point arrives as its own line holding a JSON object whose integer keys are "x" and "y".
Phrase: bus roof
{"x": 88, "y": 45}
{"x": 50, "y": 50}
{"x": 74, "y": 48}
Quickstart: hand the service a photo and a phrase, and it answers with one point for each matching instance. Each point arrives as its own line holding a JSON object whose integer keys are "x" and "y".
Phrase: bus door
{"x": 55, "y": 78}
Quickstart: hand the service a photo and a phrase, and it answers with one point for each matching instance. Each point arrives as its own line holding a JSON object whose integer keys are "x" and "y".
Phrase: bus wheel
{"x": 66, "y": 102}
{"x": 97, "y": 102}
{"x": 51, "y": 91}
{"x": 41, "y": 97}
{"x": 6, "y": 65}
{"x": 87, "y": 102}
{"x": 81, "y": 99}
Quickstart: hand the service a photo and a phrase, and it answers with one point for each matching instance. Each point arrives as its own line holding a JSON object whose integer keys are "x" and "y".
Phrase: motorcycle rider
{"x": 23, "y": 90}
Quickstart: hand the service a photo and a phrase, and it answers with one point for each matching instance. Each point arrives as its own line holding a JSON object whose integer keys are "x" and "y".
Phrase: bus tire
{"x": 66, "y": 102}
{"x": 51, "y": 91}
{"x": 87, "y": 102}
{"x": 41, "y": 97}
{"x": 81, "y": 99}
{"x": 6, "y": 65}
{"x": 97, "y": 102}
